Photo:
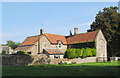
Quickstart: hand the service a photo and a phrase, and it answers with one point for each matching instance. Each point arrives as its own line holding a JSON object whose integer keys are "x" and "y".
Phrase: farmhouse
{"x": 55, "y": 45}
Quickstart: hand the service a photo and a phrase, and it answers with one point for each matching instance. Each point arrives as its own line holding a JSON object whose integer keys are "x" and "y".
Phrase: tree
{"x": 108, "y": 21}
{"x": 12, "y": 44}
{"x": 4, "y": 52}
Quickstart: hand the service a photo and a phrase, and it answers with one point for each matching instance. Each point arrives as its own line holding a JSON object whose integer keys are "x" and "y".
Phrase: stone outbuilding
{"x": 7, "y": 49}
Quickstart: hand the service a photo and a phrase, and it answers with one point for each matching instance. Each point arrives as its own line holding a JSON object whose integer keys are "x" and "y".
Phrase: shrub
{"x": 83, "y": 53}
{"x": 73, "y": 52}
{"x": 94, "y": 52}
{"x": 70, "y": 53}
{"x": 89, "y": 52}
{"x": 73, "y": 63}
{"x": 81, "y": 50}
{"x": 67, "y": 53}
{"x": 78, "y": 53}
{"x": 65, "y": 63}
{"x": 21, "y": 53}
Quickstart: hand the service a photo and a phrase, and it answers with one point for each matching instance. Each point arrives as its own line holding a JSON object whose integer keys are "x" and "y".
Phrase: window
{"x": 29, "y": 52}
{"x": 56, "y": 56}
{"x": 44, "y": 45}
{"x": 59, "y": 45}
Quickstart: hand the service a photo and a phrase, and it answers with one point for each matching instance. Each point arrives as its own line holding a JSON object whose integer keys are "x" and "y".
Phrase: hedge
{"x": 83, "y": 53}
{"x": 94, "y": 52}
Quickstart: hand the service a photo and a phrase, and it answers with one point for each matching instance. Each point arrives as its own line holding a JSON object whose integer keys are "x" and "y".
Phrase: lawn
{"x": 84, "y": 69}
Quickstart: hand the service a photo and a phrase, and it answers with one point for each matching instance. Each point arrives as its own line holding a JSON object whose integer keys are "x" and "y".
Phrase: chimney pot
{"x": 70, "y": 33}
{"x": 41, "y": 31}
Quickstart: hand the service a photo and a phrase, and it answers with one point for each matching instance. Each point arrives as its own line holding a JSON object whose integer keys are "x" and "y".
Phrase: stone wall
{"x": 21, "y": 60}
{"x": 101, "y": 45}
{"x": 25, "y": 60}
{"x": 44, "y": 41}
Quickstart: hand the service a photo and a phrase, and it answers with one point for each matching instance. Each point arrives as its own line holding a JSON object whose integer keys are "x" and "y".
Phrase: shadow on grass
{"x": 61, "y": 70}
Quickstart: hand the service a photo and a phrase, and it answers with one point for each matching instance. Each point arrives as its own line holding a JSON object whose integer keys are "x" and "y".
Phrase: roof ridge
{"x": 34, "y": 36}
{"x": 54, "y": 34}
{"x": 83, "y": 37}
{"x": 87, "y": 32}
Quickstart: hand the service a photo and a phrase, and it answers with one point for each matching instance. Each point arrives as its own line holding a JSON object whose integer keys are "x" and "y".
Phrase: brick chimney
{"x": 41, "y": 31}
{"x": 75, "y": 31}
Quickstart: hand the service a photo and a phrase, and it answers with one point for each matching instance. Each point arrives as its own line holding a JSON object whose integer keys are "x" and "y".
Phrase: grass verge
{"x": 84, "y": 69}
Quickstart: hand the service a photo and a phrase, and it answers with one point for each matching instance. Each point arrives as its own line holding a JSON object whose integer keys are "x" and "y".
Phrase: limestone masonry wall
{"x": 25, "y": 60}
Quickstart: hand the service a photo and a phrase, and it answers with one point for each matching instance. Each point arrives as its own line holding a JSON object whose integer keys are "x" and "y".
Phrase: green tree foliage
{"x": 21, "y": 53}
{"x": 4, "y": 52}
{"x": 108, "y": 21}
{"x": 12, "y": 44}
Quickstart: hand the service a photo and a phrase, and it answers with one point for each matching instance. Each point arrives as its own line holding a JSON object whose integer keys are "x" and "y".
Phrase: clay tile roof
{"x": 53, "y": 51}
{"x": 53, "y": 38}
{"x": 81, "y": 38}
{"x": 25, "y": 48}
{"x": 30, "y": 40}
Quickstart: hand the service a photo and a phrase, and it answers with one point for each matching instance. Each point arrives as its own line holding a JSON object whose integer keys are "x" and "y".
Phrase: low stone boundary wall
{"x": 77, "y": 60}
{"x": 22, "y": 60}
{"x": 57, "y": 61}
{"x": 86, "y": 60}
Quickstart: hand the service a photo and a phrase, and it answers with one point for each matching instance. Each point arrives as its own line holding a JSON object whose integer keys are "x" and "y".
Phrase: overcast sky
{"x": 23, "y": 19}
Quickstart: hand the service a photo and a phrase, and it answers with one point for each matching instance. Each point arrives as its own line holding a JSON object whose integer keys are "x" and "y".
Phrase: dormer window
{"x": 59, "y": 45}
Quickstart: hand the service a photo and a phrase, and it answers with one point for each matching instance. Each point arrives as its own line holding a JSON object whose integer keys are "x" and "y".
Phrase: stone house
{"x": 7, "y": 49}
{"x": 55, "y": 45}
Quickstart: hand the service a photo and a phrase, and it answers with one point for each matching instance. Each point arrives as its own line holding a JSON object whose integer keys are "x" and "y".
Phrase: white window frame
{"x": 60, "y": 45}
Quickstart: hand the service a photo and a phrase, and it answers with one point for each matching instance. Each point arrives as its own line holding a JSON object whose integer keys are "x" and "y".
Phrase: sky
{"x": 24, "y": 19}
